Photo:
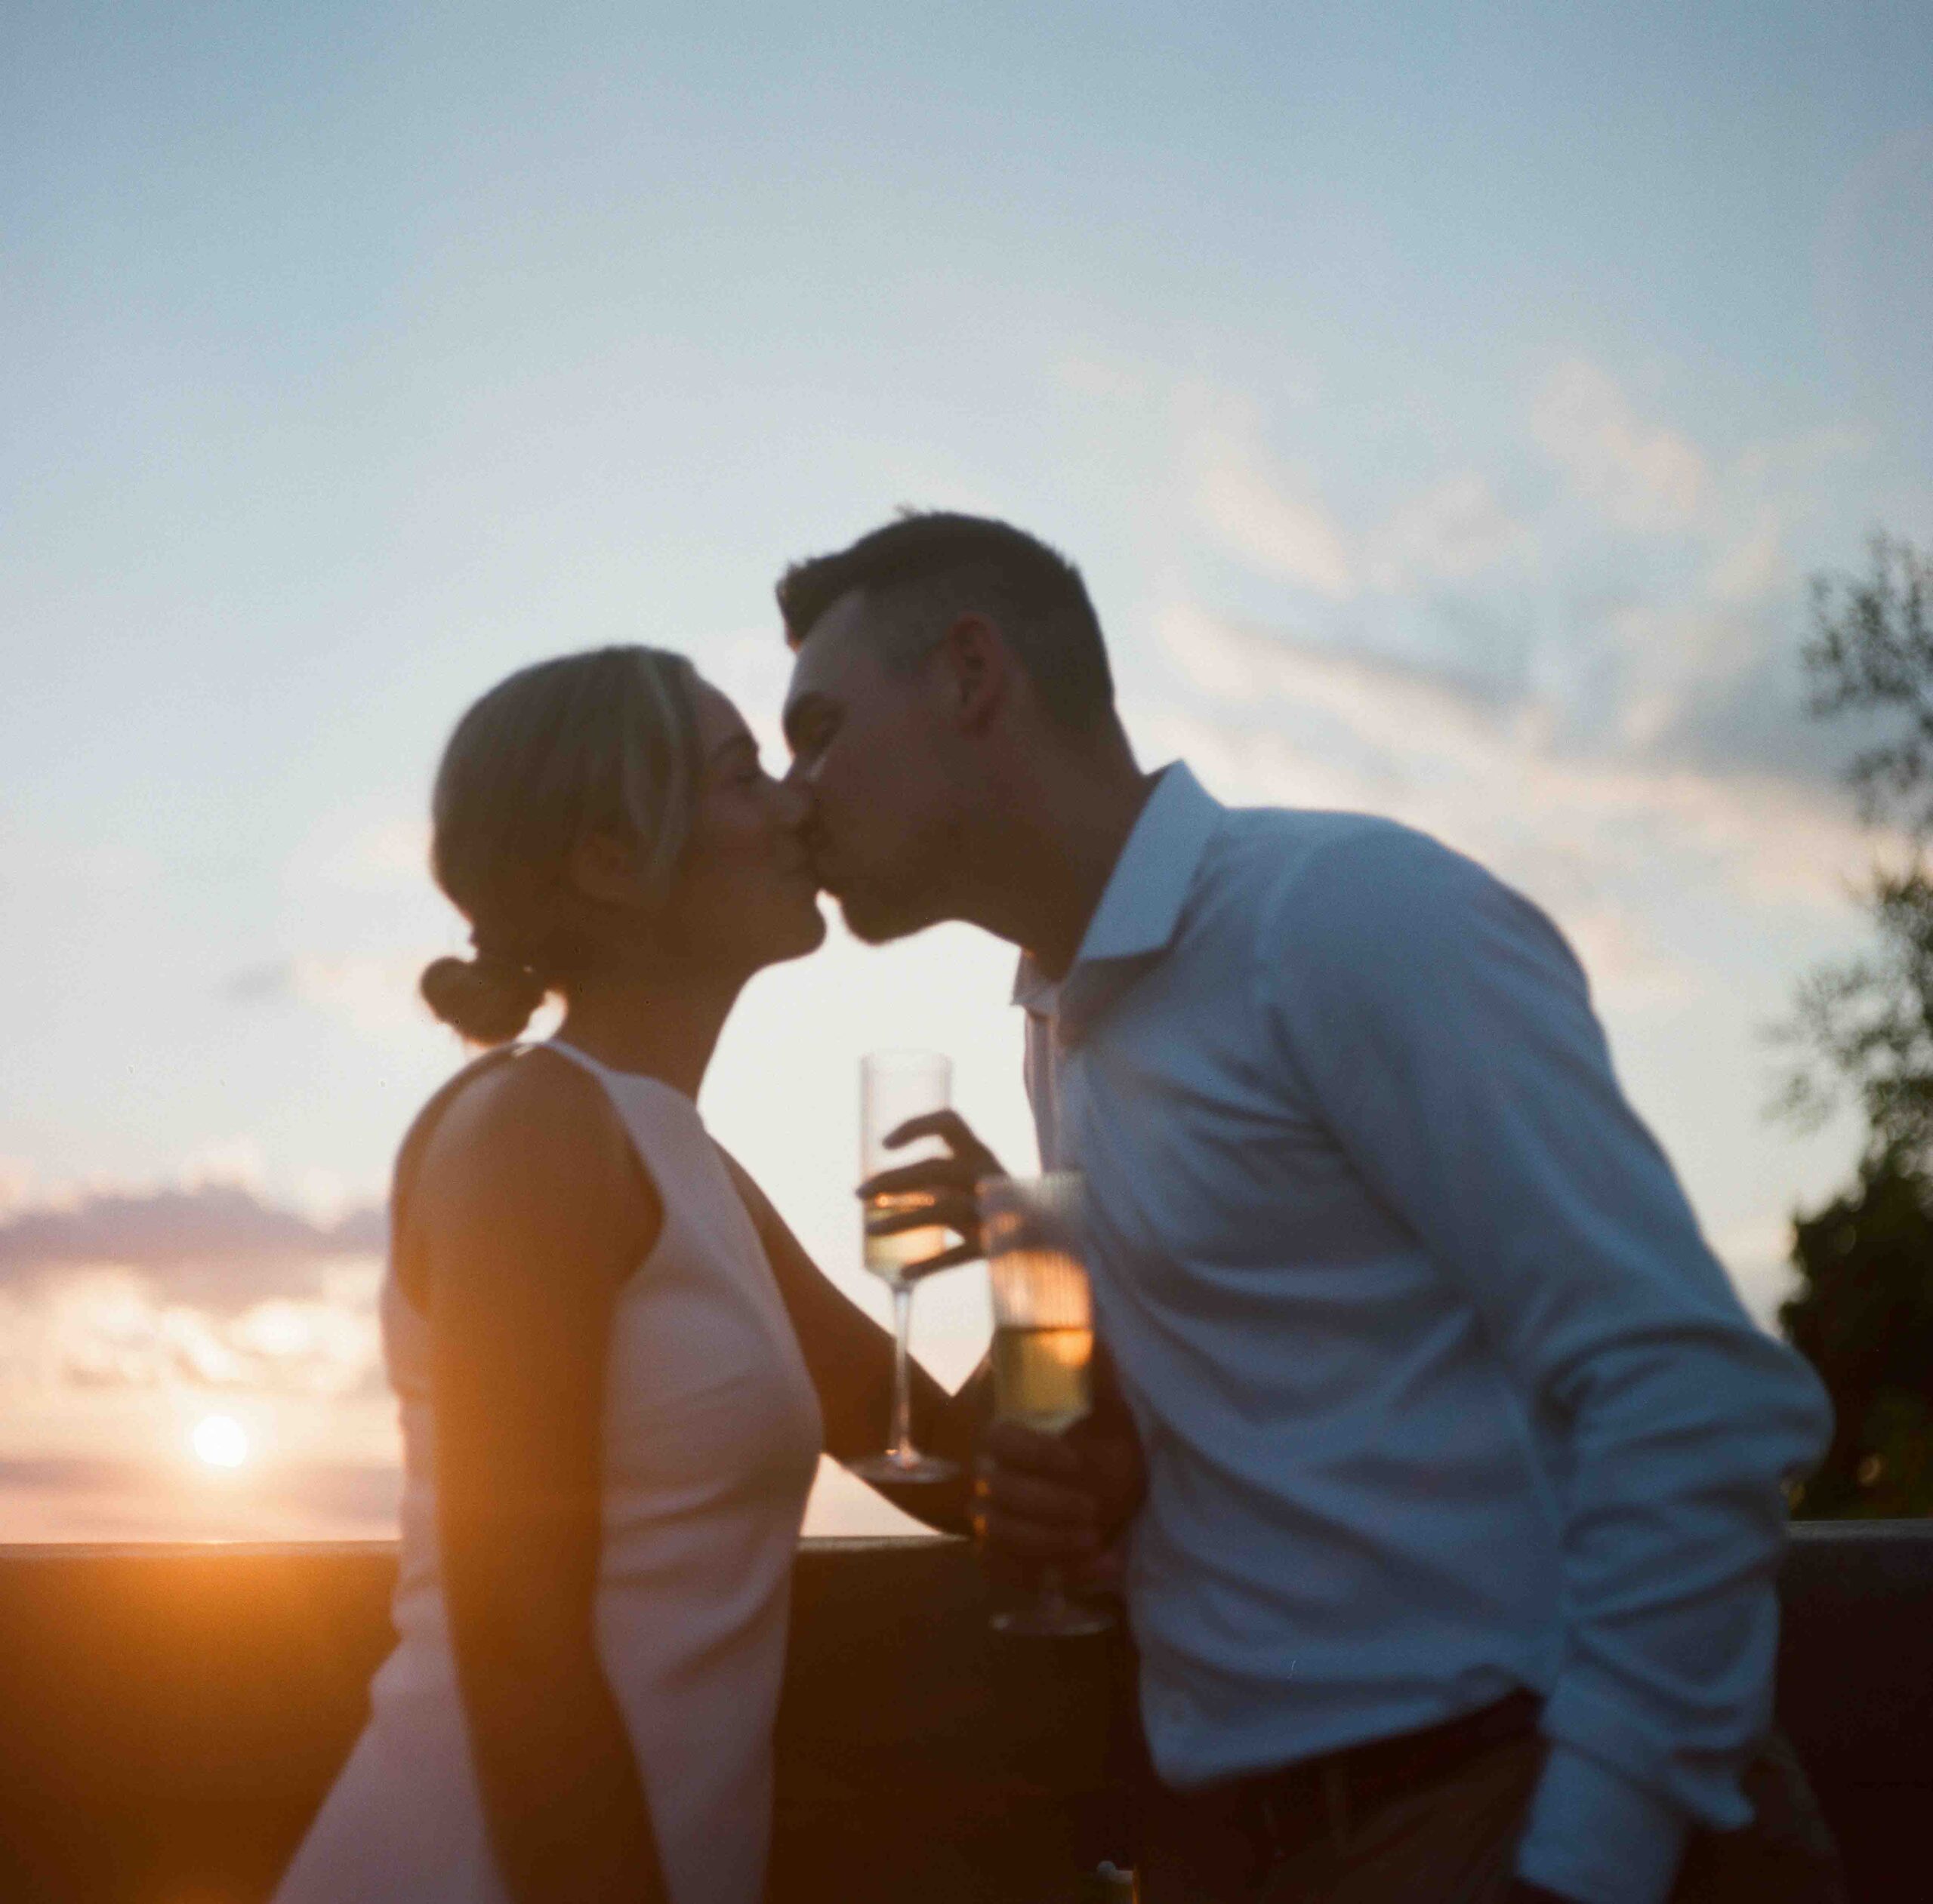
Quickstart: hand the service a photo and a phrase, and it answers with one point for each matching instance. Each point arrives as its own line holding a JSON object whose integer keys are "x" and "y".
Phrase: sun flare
{"x": 220, "y": 1441}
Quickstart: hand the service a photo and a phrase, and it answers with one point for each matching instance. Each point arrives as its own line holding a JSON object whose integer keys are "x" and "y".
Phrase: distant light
{"x": 220, "y": 1440}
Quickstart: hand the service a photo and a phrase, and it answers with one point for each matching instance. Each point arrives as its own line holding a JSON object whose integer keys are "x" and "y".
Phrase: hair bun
{"x": 489, "y": 1000}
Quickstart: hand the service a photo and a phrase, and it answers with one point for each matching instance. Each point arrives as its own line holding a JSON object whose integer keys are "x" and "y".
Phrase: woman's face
{"x": 743, "y": 895}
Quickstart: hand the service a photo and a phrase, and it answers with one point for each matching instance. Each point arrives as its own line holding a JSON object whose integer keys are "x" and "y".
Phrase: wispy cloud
{"x": 377, "y": 994}
{"x": 1643, "y": 616}
{"x": 1600, "y": 832}
{"x": 1499, "y": 770}
{"x": 1281, "y": 525}
{"x": 218, "y": 1245}
{"x": 1643, "y": 474}
{"x": 1453, "y": 530}
{"x": 110, "y": 1329}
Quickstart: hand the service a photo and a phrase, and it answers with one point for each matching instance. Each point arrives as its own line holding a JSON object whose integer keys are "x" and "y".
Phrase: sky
{"x": 1446, "y": 406}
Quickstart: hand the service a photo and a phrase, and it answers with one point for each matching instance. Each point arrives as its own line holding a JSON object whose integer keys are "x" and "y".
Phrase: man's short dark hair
{"x": 931, "y": 568}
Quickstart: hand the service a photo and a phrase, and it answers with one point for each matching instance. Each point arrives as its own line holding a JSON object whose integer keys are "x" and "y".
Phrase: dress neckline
{"x": 565, "y": 1048}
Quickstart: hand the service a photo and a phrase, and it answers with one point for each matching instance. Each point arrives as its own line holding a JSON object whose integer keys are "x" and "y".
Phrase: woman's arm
{"x": 850, "y": 1357}
{"x": 530, "y": 1211}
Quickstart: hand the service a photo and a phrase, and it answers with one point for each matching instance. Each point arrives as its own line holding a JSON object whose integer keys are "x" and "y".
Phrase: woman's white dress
{"x": 711, "y": 1439}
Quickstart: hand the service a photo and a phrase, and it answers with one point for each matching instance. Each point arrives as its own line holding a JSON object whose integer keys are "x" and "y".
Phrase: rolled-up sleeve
{"x": 1446, "y": 1031}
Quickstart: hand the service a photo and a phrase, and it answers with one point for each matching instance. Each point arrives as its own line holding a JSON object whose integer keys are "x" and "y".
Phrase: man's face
{"x": 869, "y": 748}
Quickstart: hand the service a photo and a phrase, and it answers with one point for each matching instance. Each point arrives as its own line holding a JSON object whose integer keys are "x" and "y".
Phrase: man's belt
{"x": 1279, "y": 1811}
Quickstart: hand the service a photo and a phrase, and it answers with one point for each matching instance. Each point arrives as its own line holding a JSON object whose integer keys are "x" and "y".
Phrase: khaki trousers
{"x": 1454, "y": 1841}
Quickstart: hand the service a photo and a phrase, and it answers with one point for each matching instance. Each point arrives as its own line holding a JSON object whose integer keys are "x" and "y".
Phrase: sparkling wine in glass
{"x": 1044, "y": 1342}
{"x": 894, "y": 1087}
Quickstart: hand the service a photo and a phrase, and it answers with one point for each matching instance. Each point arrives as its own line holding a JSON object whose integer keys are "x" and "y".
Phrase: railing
{"x": 170, "y": 1718}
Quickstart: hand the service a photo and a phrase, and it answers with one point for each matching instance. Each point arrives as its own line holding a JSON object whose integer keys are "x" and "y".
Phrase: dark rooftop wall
{"x": 170, "y": 1718}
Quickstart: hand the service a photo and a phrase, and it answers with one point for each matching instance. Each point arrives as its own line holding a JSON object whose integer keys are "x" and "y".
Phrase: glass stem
{"x": 902, "y": 1385}
{"x": 1052, "y": 1598}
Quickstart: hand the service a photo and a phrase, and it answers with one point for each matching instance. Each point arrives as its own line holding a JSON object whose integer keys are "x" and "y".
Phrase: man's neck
{"x": 1050, "y": 848}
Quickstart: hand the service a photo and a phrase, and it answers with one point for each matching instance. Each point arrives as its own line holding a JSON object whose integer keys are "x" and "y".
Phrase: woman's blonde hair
{"x": 602, "y": 741}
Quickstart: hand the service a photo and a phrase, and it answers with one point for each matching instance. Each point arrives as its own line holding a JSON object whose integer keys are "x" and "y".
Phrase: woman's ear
{"x": 604, "y": 868}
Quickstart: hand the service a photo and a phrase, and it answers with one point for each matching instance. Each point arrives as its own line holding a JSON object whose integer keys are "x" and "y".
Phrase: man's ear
{"x": 604, "y": 868}
{"x": 979, "y": 670}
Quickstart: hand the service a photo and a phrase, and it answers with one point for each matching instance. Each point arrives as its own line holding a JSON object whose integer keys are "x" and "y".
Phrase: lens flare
{"x": 220, "y": 1441}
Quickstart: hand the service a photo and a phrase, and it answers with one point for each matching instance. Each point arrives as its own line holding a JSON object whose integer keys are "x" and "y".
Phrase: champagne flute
{"x": 1044, "y": 1342}
{"x": 894, "y": 1086}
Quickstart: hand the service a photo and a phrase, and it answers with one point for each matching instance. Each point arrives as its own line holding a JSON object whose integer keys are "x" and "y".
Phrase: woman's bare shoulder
{"x": 528, "y": 1140}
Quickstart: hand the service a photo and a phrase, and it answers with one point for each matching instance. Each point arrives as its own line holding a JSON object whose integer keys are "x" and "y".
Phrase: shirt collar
{"x": 1141, "y": 904}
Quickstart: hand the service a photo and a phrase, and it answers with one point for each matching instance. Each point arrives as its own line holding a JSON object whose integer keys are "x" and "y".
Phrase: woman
{"x": 616, "y": 1366}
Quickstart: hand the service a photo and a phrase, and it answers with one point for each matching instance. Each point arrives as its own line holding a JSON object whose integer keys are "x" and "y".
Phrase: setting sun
{"x": 220, "y": 1441}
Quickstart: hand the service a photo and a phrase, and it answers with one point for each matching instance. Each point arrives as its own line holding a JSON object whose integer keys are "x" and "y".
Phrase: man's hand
{"x": 1065, "y": 1500}
{"x": 946, "y": 1182}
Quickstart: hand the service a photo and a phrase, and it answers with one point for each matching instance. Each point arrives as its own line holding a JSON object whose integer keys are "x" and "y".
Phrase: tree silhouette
{"x": 1863, "y": 1317}
{"x": 1863, "y": 1312}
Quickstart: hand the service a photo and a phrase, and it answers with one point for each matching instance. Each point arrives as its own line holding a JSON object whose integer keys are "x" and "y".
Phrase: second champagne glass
{"x": 1044, "y": 1343}
{"x": 894, "y": 1086}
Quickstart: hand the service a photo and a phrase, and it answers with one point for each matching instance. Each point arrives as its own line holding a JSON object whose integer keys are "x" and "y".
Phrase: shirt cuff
{"x": 1595, "y": 1836}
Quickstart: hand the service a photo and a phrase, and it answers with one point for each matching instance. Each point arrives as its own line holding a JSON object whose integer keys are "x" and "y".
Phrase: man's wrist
{"x": 1595, "y": 1837}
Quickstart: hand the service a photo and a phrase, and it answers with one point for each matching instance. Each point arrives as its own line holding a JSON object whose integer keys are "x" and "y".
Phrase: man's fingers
{"x": 948, "y": 1126}
{"x": 1021, "y": 1498}
{"x": 1011, "y": 1446}
{"x": 946, "y": 1184}
{"x": 953, "y": 1132}
{"x": 951, "y": 1209}
{"x": 930, "y": 1173}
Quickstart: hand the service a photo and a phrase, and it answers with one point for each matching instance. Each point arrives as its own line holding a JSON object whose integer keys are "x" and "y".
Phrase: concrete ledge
{"x": 173, "y": 1715}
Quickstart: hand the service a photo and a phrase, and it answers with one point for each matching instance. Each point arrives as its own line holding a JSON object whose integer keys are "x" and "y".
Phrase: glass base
{"x": 888, "y": 1466}
{"x": 1052, "y": 1620}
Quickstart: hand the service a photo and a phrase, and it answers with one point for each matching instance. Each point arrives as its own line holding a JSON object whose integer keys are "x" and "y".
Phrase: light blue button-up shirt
{"x": 1442, "y": 1393}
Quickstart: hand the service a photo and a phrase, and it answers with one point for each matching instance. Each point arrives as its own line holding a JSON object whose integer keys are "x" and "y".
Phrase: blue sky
{"x": 1446, "y": 405}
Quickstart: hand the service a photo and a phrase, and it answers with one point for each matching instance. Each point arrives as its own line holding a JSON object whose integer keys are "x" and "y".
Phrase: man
{"x": 1454, "y": 1575}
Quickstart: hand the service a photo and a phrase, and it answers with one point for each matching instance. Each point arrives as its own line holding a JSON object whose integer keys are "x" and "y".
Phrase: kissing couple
{"x": 1441, "y": 1464}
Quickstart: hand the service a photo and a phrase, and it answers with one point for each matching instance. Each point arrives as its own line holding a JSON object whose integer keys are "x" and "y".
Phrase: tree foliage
{"x": 1863, "y": 1312}
{"x": 1863, "y": 1317}
{"x": 1872, "y": 651}
{"x": 1866, "y": 1027}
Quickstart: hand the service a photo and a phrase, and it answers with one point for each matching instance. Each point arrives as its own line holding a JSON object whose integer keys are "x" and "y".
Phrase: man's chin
{"x": 874, "y": 921}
